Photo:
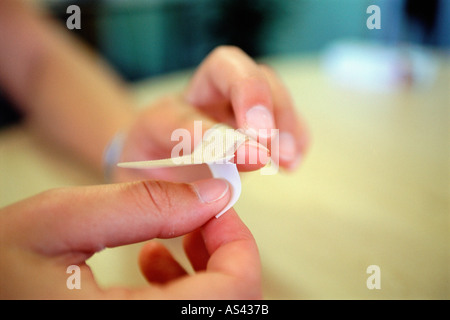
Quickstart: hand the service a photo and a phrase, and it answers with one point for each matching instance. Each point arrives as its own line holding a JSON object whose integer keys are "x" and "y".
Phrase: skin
{"x": 66, "y": 226}
{"x": 72, "y": 100}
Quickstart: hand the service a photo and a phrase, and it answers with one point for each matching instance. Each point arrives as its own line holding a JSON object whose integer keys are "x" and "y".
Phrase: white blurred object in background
{"x": 379, "y": 68}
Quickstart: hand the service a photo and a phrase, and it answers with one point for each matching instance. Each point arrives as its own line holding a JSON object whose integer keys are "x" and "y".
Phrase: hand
{"x": 230, "y": 88}
{"x": 44, "y": 235}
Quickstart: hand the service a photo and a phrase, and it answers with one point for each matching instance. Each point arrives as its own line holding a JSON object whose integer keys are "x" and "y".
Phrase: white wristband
{"x": 111, "y": 155}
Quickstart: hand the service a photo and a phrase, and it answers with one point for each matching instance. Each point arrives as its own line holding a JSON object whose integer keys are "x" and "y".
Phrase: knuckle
{"x": 155, "y": 195}
{"x": 226, "y": 50}
{"x": 163, "y": 203}
{"x": 268, "y": 70}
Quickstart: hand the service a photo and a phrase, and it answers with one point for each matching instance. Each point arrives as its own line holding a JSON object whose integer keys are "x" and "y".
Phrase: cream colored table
{"x": 374, "y": 190}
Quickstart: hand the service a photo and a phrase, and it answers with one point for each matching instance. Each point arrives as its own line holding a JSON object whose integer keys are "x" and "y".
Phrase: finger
{"x": 88, "y": 219}
{"x": 293, "y": 135}
{"x": 233, "y": 269}
{"x": 229, "y": 76}
{"x": 158, "y": 265}
{"x": 195, "y": 249}
{"x": 232, "y": 247}
{"x": 251, "y": 156}
{"x": 182, "y": 129}
{"x": 168, "y": 123}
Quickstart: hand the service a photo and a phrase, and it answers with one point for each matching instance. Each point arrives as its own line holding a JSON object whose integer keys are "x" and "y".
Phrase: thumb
{"x": 88, "y": 219}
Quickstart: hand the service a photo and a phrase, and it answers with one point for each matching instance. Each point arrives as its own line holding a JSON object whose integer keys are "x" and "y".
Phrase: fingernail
{"x": 210, "y": 190}
{"x": 288, "y": 149}
{"x": 260, "y": 119}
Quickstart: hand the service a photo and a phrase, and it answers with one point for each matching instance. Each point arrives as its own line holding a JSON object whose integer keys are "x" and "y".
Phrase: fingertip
{"x": 289, "y": 151}
{"x": 293, "y": 165}
{"x": 260, "y": 120}
{"x": 251, "y": 156}
{"x": 252, "y": 102}
{"x": 158, "y": 265}
{"x": 195, "y": 250}
{"x": 211, "y": 190}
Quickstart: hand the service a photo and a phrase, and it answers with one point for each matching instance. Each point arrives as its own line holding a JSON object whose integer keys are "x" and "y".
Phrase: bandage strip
{"x": 216, "y": 149}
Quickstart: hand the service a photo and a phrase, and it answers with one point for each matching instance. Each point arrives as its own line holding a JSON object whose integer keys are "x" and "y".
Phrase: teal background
{"x": 149, "y": 37}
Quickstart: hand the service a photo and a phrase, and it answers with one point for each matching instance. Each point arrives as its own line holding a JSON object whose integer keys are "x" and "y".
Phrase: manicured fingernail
{"x": 288, "y": 149}
{"x": 211, "y": 190}
{"x": 260, "y": 119}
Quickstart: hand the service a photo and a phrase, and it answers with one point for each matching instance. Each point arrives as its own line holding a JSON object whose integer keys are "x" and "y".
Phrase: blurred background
{"x": 143, "y": 38}
{"x": 374, "y": 188}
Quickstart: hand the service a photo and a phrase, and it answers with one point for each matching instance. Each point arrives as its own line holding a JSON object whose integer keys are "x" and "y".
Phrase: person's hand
{"x": 228, "y": 87}
{"x": 41, "y": 237}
